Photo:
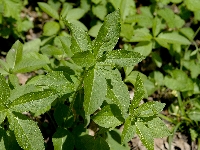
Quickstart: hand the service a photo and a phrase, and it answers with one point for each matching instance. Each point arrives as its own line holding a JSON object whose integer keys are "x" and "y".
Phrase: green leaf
{"x": 4, "y": 92}
{"x": 172, "y": 20}
{"x": 177, "y": 77}
{"x": 144, "y": 48}
{"x": 65, "y": 42}
{"x": 117, "y": 91}
{"x": 158, "y": 128}
{"x": 13, "y": 80}
{"x": 108, "y": 34}
{"x": 194, "y": 114}
{"x": 109, "y": 116}
{"x": 138, "y": 94}
{"x": 57, "y": 81}
{"x": 100, "y": 11}
{"x": 141, "y": 34}
{"x": 94, "y": 82}
{"x": 127, "y": 7}
{"x": 148, "y": 109}
{"x": 193, "y": 134}
{"x": 80, "y": 40}
{"x": 32, "y": 46}
{"x": 94, "y": 30}
{"x": 4, "y": 65}
{"x": 128, "y": 130}
{"x": 26, "y": 132}
{"x": 123, "y": 58}
{"x": 156, "y": 28}
{"x": 31, "y": 62}
{"x": 188, "y": 32}
{"x": 8, "y": 8}
{"x": 51, "y": 50}
{"x": 75, "y": 14}
{"x": 14, "y": 55}
{"x": 172, "y": 38}
{"x": 84, "y": 59}
{"x": 36, "y": 102}
{"x": 193, "y": 5}
{"x": 157, "y": 59}
{"x": 126, "y": 31}
{"x": 63, "y": 139}
{"x": 51, "y": 28}
{"x": 8, "y": 140}
{"x": 49, "y": 10}
{"x": 145, "y": 135}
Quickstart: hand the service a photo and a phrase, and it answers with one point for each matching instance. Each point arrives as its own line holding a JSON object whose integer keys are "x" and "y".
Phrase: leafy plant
{"x": 86, "y": 90}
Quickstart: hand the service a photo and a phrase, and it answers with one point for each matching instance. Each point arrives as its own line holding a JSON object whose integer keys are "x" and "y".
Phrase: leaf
{"x": 63, "y": 139}
{"x": 51, "y": 28}
{"x": 141, "y": 34}
{"x": 7, "y": 140}
{"x": 75, "y": 14}
{"x": 14, "y": 55}
{"x": 138, "y": 94}
{"x": 188, "y": 32}
{"x": 108, "y": 34}
{"x": 80, "y": 40}
{"x": 123, "y": 58}
{"x": 32, "y": 46}
{"x": 193, "y": 5}
{"x": 84, "y": 59}
{"x": 156, "y": 27}
{"x": 158, "y": 128}
{"x": 51, "y": 50}
{"x": 4, "y": 92}
{"x": 57, "y": 81}
{"x": 66, "y": 43}
{"x": 13, "y": 80}
{"x": 100, "y": 11}
{"x": 148, "y": 109}
{"x": 194, "y": 114}
{"x": 126, "y": 30}
{"x": 172, "y": 38}
{"x": 49, "y": 10}
{"x": 94, "y": 30}
{"x": 177, "y": 77}
{"x": 4, "y": 65}
{"x": 31, "y": 62}
{"x": 117, "y": 92}
{"x": 145, "y": 135}
{"x": 144, "y": 48}
{"x": 94, "y": 82}
{"x": 157, "y": 59}
{"x": 26, "y": 132}
{"x": 127, "y": 7}
{"x": 8, "y": 8}
{"x": 36, "y": 102}
{"x": 109, "y": 116}
{"x": 128, "y": 130}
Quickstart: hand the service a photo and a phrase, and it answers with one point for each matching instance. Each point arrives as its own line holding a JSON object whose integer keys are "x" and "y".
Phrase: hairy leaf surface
{"x": 108, "y": 34}
{"x": 4, "y": 92}
{"x": 109, "y": 117}
{"x": 94, "y": 90}
{"x": 123, "y": 58}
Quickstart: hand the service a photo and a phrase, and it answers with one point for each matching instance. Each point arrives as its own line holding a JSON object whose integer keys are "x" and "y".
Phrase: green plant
{"x": 87, "y": 89}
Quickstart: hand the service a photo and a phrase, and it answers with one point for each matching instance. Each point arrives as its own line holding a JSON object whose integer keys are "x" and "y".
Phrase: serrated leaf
{"x": 128, "y": 130}
{"x": 123, "y": 58}
{"x": 51, "y": 28}
{"x": 36, "y": 102}
{"x": 49, "y": 10}
{"x": 158, "y": 128}
{"x": 109, "y": 116}
{"x": 26, "y": 132}
{"x": 80, "y": 40}
{"x": 172, "y": 38}
{"x": 108, "y": 34}
{"x": 94, "y": 82}
{"x": 14, "y": 55}
{"x": 148, "y": 109}
{"x": 84, "y": 59}
{"x": 144, "y": 48}
{"x": 8, "y": 141}
{"x": 4, "y": 92}
{"x": 63, "y": 140}
{"x": 117, "y": 90}
{"x": 31, "y": 62}
{"x": 145, "y": 135}
{"x": 138, "y": 94}
{"x": 51, "y": 50}
{"x": 177, "y": 77}
{"x": 57, "y": 81}
{"x": 66, "y": 43}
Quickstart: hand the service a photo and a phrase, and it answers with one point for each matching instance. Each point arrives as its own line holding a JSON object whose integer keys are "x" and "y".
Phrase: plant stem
{"x": 181, "y": 106}
{"x": 166, "y": 118}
